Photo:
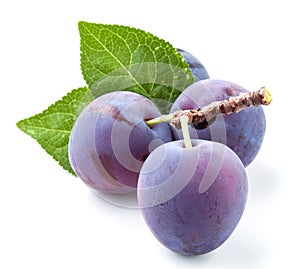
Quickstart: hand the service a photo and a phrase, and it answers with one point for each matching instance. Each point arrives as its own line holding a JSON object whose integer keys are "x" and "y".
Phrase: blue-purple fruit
{"x": 110, "y": 141}
{"x": 192, "y": 198}
{"x": 243, "y": 132}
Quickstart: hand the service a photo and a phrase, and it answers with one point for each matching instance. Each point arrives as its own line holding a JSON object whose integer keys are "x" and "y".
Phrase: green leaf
{"x": 117, "y": 57}
{"x": 53, "y": 126}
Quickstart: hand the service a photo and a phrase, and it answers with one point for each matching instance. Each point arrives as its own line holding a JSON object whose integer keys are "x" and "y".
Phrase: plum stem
{"x": 185, "y": 131}
{"x": 162, "y": 118}
{"x": 225, "y": 107}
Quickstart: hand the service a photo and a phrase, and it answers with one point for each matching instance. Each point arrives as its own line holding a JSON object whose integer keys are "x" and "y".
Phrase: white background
{"x": 49, "y": 219}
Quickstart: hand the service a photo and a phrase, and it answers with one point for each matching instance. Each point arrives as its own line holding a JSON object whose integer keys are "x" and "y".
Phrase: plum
{"x": 243, "y": 132}
{"x": 197, "y": 68}
{"x": 110, "y": 141}
{"x": 192, "y": 198}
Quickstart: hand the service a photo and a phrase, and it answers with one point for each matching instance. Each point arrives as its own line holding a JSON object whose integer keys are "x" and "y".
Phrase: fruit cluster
{"x": 192, "y": 196}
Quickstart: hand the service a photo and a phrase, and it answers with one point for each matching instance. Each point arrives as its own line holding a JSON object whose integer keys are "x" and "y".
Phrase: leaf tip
{"x": 20, "y": 124}
{"x": 80, "y": 23}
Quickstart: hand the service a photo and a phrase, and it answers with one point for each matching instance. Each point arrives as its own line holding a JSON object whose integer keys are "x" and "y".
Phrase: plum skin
{"x": 243, "y": 132}
{"x": 185, "y": 218}
{"x": 110, "y": 141}
{"x": 198, "y": 70}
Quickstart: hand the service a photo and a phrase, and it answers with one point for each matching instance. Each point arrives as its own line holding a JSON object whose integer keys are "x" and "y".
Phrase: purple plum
{"x": 192, "y": 198}
{"x": 243, "y": 132}
{"x": 110, "y": 141}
